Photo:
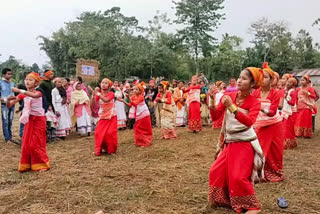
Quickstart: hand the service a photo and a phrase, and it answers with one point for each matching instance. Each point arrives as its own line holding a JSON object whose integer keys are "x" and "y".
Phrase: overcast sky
{"x": 22, "y": 21}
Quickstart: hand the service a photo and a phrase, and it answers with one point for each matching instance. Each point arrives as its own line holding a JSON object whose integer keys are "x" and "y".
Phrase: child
{"x": 59, "y": 102}
{"x": 80, "y": 109}
{"x": 94, "y": 106}
{"x": 33, "y": 155}
{"x": 52, "y": 121}
{"x": 142, "y": 127}
{"x": 106, "y": 134}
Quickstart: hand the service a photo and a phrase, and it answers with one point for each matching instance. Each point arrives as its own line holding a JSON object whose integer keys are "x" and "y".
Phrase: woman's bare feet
{"x": 253, "y": 211}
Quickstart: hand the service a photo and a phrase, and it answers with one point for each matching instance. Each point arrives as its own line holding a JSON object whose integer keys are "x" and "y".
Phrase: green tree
{"x": 199, "y": 20}
{"x": 229, "y": 59}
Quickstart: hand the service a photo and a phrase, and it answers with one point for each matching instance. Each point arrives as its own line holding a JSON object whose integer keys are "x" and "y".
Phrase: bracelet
{"x": 22, "y": 91}
{"x": 266, "y": 111}
{"x": 309, "y": 93}
{"x": 233, "y": 108}
{"x": 162, "y": 101}
{"x": 99, "y": 94}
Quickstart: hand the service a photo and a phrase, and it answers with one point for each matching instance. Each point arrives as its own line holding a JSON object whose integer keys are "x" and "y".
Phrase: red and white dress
{"x": 193, "y": 101}
{"x": 303, "y": 125}
{"x": 271, "y": 135}
{"x": 289, "y": 114}
{"x": 106, "y": 133}
{"x": 238, "y": 165}
{"x": 142, "y": 127}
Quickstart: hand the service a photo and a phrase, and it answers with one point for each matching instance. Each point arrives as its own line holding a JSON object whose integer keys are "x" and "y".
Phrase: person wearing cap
{"x": 306, "y": 100}
{"x": 289, "y": 114}
{"x": 33, "y": 153}
{"x": 106, "y": 133}
{"x": 142, "y": 128}
{"x": 267, "y": 124}
{"x": 239, "y": 158}
{"x": 168, "y": 126}
{"x": 46, "y": 85}
{"x": 193, "y": 102}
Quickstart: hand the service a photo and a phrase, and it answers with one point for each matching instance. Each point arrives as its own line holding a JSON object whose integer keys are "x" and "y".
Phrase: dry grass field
{"x": 168, "y": 177}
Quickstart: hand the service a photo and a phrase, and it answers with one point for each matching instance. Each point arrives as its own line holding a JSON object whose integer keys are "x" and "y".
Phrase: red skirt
{"x": 34, "y": 153}
{"x": 271, "y": 139}
{"x": 106, "y": 136}
{"x": 290, "y": 140}
{"x": 217, "y": 124}
{"x": 194, "y": 122}
{"x": 303, "y": 125}
{"x": 229, "y": 179}
{"x": 143, "y": 132}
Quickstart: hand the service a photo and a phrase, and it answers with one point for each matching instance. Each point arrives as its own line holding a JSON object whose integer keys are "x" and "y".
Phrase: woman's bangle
{"x": 233, "y": 108}
{"x": 99, "y": 94}
{"x": 22, "y": 91}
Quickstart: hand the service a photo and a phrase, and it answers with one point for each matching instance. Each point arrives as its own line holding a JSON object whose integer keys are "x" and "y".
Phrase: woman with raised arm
{"x": 33, "y": 153}
{"x": 269, "y": 127}
{"x": 239, "y": 157}
{"x": 106, "y": 133}
{"x": 306, "y": 97}
{"x": 142, "y": 127}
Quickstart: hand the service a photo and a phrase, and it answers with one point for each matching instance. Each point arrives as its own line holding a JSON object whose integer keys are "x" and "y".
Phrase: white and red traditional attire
{"x": 142, "y": 127}
{"x": 240, "y": 162}
{"x": 180, "y": 107}
{"x": 217, "y": 124}
{"x": 121, "y": 109}
{"x": 106, "y": 133}
{"x": 289, "y": 114}
{"x": 193, "y": 101}
{"x": 80, "y": 108}
{"x": 303, "y": 125}
{"x": 168, "y": 127}
{"x": 271, "y": 135}
{"x": 33, "y": 153}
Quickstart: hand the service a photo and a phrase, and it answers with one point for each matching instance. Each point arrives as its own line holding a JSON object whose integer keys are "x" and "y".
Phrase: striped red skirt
{"x": 194, "y": 122}
{"x": 303, "y": 124}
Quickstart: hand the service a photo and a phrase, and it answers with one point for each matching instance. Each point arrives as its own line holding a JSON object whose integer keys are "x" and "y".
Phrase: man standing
{"x": 7, "y": 113}
{"x": 46, "y": 85}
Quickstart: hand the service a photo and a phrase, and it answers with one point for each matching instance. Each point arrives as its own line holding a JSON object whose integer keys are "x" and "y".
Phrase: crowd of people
{"x": 260, "y": 114}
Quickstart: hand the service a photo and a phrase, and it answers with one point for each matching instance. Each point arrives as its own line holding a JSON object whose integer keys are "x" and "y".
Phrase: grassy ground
{"x": 168, "y": 177}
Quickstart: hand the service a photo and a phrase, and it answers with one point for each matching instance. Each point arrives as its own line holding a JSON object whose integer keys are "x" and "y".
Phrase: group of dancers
{"x": 259, "y": 114}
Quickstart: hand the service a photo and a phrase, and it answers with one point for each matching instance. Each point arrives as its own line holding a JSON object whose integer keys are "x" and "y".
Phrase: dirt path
{"x": 168, "y": 177}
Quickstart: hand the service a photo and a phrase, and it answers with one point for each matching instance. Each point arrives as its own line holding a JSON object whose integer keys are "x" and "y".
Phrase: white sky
{"x": 22, "y": 21}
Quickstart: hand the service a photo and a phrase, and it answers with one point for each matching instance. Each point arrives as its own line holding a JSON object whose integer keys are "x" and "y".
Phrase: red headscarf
{"x": 109, "y": 81}
{"x": 257, "y": 75}
{"x": 268, "y": 69}
{"x": 142, "y": 87}
{"x": 218, "y": 83}
{"x": 307, "y": 77}
{"x": 35, "y": 76}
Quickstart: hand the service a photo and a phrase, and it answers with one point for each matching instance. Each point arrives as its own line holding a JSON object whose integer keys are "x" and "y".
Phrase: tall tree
{"x": 199, "y": 20}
